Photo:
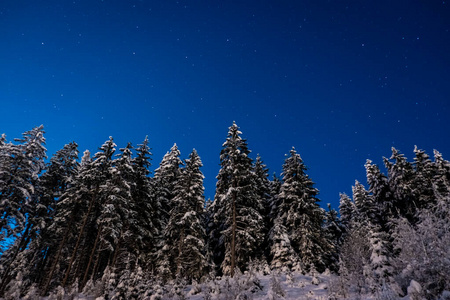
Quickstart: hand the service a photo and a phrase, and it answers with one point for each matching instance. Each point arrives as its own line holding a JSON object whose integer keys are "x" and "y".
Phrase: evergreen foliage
{"x": 104, "y": 226}
{"x": 299, "y": 212}
{"x": 238, "y": 229}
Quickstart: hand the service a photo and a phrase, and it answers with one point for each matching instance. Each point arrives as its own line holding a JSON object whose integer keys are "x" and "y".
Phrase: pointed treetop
{"x": 233, "y": 130}
{"x": 86, "y": 159}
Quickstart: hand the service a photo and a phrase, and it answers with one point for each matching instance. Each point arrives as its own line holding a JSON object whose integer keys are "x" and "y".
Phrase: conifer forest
{"x": 103, "y": 226}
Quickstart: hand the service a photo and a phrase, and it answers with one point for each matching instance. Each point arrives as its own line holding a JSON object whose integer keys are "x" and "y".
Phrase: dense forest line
{"x": 104, "y": 225}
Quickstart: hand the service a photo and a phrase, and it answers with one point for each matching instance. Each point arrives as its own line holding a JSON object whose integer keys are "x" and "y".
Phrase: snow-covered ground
{"x": 282, "y": 286}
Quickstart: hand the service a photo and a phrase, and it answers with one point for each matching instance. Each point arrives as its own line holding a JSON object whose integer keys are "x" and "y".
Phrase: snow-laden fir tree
{"x": 381, "y": 194}
{"x": 366, "y": 209}
{"x": 184, "y": 252}
{"x": 379, "y": 271}
{"x": 20, "y": 167}
{"x": 264, "y": 193}
{"x": 441, "y": 180}
{"x": 422, "y": 182}
{"x": 144, "y": 198}
{"x": 64, "y": 229}
{"x": 333, "y": 234}
{"x": 238, "y": 230}
{"x": 115, "y": 234}
{"x": 166, "y": 176}
{"x": 400, "y": 179}
{"x": 58, "y": 178}
{"x": 347, "y": 210}
{"x": 300, "y": 213}
{"x": 282, "y": 255}
{"x": 21, "y": 212}
{"x": 90, "y": 192}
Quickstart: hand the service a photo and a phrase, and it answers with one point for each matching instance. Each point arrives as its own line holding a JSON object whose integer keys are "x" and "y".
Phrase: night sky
{"x": 341, "y": 81}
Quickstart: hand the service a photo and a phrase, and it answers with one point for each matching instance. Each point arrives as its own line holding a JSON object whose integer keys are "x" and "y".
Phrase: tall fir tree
{"x": 148, "y": 208}
{"x": 59, "y": 177}
{"x": 423, "y": 180}
{"x": 347, "y": 210}
{"x": 166, "y": 176}
{"x": 298, "y": 210}
{"x": 238, "y": 225}
{"x": 21, "y": 209}
{"x": 184, "y": 252}
{"x": 400, "y": 179}
{"x": 381, "y": 194}
{"x": 92, "y": 192}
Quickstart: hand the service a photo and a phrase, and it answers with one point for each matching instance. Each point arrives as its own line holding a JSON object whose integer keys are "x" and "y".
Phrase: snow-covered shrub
{"x": 176, "y": 291}
{"x": 424, "y": 254}
{"x": 275, "y": 289}
{"x": 196, "y": 288}
{"x": 338, "y": 288}
{"x": 414, "y": 290}
{"x": 386, "y": 293}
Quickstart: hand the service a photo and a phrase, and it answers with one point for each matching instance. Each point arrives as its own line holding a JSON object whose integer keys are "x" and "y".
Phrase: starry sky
{"x": 341, "y": 81}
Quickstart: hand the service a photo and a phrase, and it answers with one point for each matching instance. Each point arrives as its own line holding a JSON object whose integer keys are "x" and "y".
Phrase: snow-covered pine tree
{"x": 441, "y": 180}
{"x": 20, "y": 166}
{"x": 275, "y": 186}
{"x": 65, "y": 226}
{"x": 20, "y": 202}
{"x": 365, "y": 207}
{"x": 90, "y": 181}
{"x": 400, "y": 178}
{"x": 183, "y": 253}
{"x": 381, "y": 194}
{"x": 300, "y": 212}
{"x": 333, "y": 233}
{"x": 282, "y": 255}
{"x": 423, "y": 180}
{"x": 347, "y": 210}
{"x": 60, "y": 175}
{"x": 166, "y": 176}
{"x": 115, "y": 238}
{"x": 263, "y": 191}
{"x": 148, "y": 224}
{"x": 238, "y": 230}
{"x": 380, "y": 271}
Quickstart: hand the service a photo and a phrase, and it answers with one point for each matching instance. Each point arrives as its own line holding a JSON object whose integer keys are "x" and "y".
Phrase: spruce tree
{"x": 300, "y": 212}
{"x": 423, "y": 180}
{"x": 238, "y": 225}
{"x": 148, "y": 224}
{"x": 282, "y": 255}
{"x": 400, "y": 179}
{"x": 166, "y": 176}
{"x": 347, "y": 210}
{"x": 381, "y": 194}
{"x": 366, "y": 208}
{"x": 64, "y": 229}
{"x": 22, "y": 212}
{"x": 59, "y": 177}
{"x": 90, "y": 190}
{"x": 184, "y": 252}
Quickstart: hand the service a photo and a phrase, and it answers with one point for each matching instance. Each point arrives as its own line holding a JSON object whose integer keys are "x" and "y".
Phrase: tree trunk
{"x": 58, "y": 254}
{"x": 16, "y": 252}
{"x": 233, "y": 233}
{"x": 91, "y": 257}
{"x": 75, "y": 250}
{"x": 180, "y": 249}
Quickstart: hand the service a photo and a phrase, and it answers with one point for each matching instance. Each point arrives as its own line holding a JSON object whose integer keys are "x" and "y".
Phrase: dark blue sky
{"x": 342, "y": 81}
